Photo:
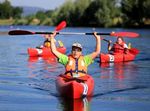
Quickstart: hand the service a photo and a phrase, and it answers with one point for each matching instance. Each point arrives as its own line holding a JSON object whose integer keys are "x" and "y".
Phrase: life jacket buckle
{"x": 75, "y": 75}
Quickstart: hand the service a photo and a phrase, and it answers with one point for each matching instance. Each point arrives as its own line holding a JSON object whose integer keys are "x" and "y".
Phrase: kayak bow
{"x": 75, "y": 87}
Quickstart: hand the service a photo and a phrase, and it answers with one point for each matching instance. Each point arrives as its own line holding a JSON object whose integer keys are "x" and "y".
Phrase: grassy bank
{"x": 6, "y": 21}
{"x": 48, "y": 22}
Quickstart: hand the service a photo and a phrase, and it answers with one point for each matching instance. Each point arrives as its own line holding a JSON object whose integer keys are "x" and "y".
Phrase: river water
{"x": 28, "y": 84}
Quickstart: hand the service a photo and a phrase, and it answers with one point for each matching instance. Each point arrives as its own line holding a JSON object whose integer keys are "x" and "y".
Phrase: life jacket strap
{"x": 75, "y": 71}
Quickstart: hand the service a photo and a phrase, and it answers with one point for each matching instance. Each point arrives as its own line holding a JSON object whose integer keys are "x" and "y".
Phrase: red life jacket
{"x": 118, "y": 48}
{"x": 76, "y": 67}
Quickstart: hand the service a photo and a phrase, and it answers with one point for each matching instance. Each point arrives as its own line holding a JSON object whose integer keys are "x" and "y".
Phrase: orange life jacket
{"x": 118, "y": 48}
{"x": 76, "y": 67}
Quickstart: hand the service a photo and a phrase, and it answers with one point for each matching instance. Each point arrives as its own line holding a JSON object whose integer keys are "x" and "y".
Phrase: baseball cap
{"x": 76, "y": 44}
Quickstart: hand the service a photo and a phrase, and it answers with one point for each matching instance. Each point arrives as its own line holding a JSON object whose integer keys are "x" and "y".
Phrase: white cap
{"x": 76, "y": 44}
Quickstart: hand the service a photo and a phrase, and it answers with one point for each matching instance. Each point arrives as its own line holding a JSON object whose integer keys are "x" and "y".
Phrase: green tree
{"x": 101, "y": 13}
{"x": 146, "y": 9}
{"x": 49, "y": 13}
{"x": 7, "y": 11}
{"x": 41, "y": 15}
{"x": 79, "y": 8}
{"x": 72, "y": 11}
{"x": 17, "y": 11}
{"x": 64, "y": 13}
{"x": 135, "y": 12}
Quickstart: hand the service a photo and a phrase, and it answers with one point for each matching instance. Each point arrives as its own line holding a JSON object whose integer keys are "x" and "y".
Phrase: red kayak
{"x": 74, "y": 88}
{"x": 44, "y": 51}
{"x": 119, "y": 57}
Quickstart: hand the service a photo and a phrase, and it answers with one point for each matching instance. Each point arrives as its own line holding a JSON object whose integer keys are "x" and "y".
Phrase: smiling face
{"x": 76, "y": 52}
{"x": 119, "y": 40}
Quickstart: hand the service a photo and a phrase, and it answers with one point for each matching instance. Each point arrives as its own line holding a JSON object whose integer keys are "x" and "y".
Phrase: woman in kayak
{"x": 76, "y": 64}
{"x": 118, "y": 47}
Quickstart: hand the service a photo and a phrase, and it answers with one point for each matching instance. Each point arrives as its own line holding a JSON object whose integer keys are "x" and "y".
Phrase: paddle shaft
{"x": 105, "y": 40}
{"x": 122, "y": 34}
{"x": 25, "y": 32}
{"x": 71, "y": 33}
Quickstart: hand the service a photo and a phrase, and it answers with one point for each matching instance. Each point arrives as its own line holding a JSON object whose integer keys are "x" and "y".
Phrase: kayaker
{"x": 118, "y": 47}
{"x": 76, "y": 64}
{"x": 47, "y": 42}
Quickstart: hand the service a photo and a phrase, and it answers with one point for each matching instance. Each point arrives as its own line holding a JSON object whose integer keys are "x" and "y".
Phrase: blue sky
{"x": 46, "y": 4}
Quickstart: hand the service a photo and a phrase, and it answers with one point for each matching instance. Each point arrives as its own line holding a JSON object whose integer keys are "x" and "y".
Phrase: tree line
{"x": 88, "y": 13}
{"x": 8, "y": 11}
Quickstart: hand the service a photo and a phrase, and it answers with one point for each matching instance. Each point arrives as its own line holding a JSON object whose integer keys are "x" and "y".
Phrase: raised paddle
{"x": 121, "y": 34}
{"x": 59, "y": 27}
{"x": 125, "y": 34}
{"x": 134, "y": 51}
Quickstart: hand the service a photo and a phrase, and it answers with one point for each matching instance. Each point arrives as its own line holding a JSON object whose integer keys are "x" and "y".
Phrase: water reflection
{"x": 118, "y": 76}
{"x": 42, "y": 72}
{"x": 42, "y": 65}
{"x": 75, "y": 104}
{"x": 50, "y": 60}
{"x": 118, "y": 71}
{"x": 118, "y": 80}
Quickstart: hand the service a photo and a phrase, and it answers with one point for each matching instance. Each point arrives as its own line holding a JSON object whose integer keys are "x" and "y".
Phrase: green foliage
{"x": 17, "y": 11}
{"x": 135, "y": 12}
{"x": 20, "y": 22}
{"x": 49, "y": 13}
{"x": 88, "y": 13}
{"x": 47, "y": 21}
{"x": 64, "y": 13}
{"x": 93, "y": 13}
{"x": 41, "y": 15}
{"x": 72, "y": 11}
{"x": 7, "y": 11}
{"x": 79, "y": 9}
{"x": 100, "y": 13}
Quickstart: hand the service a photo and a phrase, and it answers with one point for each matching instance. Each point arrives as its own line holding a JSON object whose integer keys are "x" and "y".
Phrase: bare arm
{"x": 98, "y": 46}
{"x": 53, "y": 46}
{"x": 109, "y": 46}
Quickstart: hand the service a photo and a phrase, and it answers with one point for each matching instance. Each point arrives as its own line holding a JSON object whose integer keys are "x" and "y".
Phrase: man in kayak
{"x": 76, "y": 64}
{"x": 118, "y": 47}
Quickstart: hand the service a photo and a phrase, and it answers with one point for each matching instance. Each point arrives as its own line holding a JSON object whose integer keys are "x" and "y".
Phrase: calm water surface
{"x": 28, "y": 84}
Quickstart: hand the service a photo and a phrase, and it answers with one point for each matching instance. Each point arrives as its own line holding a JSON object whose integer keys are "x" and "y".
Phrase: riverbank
{"x": 6, "y": 21}
{"x": 24, "y": 21}
{"x": 48, "y": 22}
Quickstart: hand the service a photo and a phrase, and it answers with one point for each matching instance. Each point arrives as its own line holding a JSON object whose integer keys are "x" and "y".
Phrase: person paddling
{"x": 118, "y": 47}
{"x": 47, "y": 42}
{"x": 76, "y": 64}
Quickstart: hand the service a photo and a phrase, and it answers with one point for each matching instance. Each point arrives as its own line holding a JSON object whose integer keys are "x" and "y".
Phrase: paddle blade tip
{"x": 134, "y": 51}
{"x": 125, "y": 34}
{"x": 61, "y": 26}
{"x": 20, "y": 32}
